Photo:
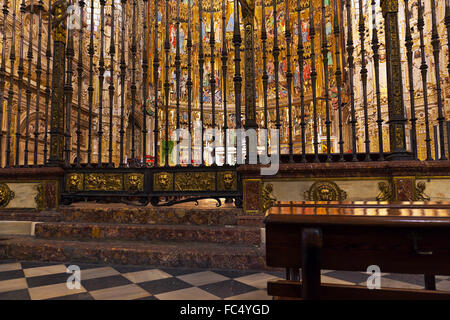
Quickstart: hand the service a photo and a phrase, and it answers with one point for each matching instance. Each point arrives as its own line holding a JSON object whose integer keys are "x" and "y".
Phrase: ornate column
{"x": 396, "y": 109}
{"x": 59, "y": 28}
{"x": 248, "y": 17}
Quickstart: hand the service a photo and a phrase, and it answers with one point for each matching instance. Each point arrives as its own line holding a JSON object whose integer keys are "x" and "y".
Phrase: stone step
{"x": 152, "y": 215}
{"x": 17, "y": 228}
{"x": 167, "y": 254}
{"x": 29, "y": 215}
{"x": 245, "y": 235}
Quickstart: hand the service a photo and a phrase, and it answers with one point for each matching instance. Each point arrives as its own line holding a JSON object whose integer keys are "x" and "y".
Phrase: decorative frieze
{"x": 195, "y": 181}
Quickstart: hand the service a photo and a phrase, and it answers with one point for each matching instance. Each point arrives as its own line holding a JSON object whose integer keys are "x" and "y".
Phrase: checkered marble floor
{"x": 41, "y": 281}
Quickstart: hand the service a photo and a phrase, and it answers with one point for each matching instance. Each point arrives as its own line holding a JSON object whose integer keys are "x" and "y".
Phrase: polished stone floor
{"x": 40, "y": 280}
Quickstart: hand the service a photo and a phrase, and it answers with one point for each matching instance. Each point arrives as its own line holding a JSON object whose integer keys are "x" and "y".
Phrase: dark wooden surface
{"x": 294, "y": 289}
{"x": 401, "y": 240}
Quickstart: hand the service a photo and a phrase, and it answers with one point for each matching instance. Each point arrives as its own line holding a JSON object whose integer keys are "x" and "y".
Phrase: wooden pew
{"x": 397, "y": 239}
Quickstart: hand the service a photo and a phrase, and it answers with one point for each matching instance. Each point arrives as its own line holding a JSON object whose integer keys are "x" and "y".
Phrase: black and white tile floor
{"x": 40, "y": 281}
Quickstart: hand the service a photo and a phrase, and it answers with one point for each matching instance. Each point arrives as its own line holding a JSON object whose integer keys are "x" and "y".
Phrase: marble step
{"x": 245, "y": 235}
{"x": 167, "y": 254}
{"x": 17, "y": 228}
{"x": 189, "y": 215}
{"x": 29, "y": 215}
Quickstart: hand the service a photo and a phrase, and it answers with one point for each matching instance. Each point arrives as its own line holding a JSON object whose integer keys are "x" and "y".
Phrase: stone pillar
{"x": 59, "y": 29}
{"x": 397, "y": 117}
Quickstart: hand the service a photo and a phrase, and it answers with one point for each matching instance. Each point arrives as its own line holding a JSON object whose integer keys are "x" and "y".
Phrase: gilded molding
{"x": 6, "y": 195}
{"x": 163, "y": 181}
{"x": 103, "y": 182}
{"x": 195, "y": 181}
{"x": 325, "y": 191}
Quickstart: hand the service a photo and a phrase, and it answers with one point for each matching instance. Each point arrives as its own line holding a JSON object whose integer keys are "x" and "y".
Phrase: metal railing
{"x": 338, "y": 82}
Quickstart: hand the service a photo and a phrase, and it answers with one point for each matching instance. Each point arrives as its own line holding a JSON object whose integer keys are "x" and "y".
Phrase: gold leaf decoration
{"x": 74, "y": 182}
{"x": 195, "y": 181}
{"x": 163, "y": 181}
{"x": 325, "y": 191}
{"x": 134, "y": 182}
{"x": 103, "y": 182}
{"x": 6, "y": 195}
{"x": 268, "y": 200}
{"x": 226, "y": 180}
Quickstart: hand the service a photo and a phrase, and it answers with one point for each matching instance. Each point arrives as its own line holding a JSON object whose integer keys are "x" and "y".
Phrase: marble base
{"x": 190, "y": 237}
{"x": 152, "y": 215}
{"x": 205, "y": 234}
{"x": 184, "y": 255}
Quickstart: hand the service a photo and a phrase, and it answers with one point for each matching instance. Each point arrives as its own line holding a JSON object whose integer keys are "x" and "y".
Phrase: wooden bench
{"x": 399, "y": 239}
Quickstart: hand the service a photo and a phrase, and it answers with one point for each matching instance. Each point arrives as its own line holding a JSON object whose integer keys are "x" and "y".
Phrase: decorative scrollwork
{"x": 399, "y": 137}
{"x": 268, "y": 200}
{"x": 6, "y": 195}
{"x": 195, "y": 181}
{"x": 74, "y": 182}
{"x": 59, "y": 11}
{"x": 325, "y": 191}
{"x": 177, "y": 200}
{"x": 420, "y": 192}
{"x": 163, "y": 181}
{"x": 103, "y": 182}
{"x": 134, "y": 182}
{"x": 40, "y": 197}
{"x": 386, "y": 192}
